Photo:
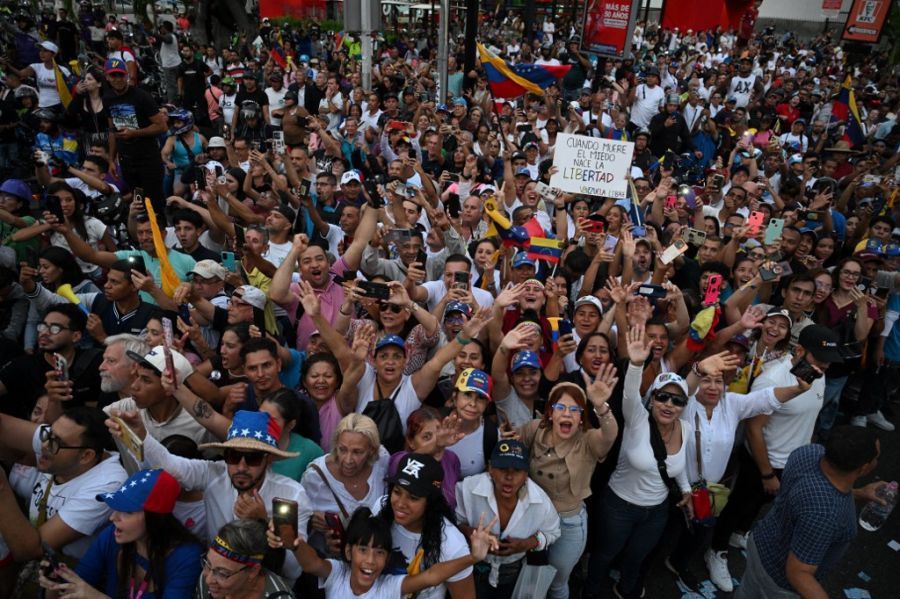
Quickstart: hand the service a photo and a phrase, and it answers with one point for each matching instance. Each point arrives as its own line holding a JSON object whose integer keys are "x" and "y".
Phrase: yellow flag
{"x": 65, "y": 96}
{"x": 169, "y": 281}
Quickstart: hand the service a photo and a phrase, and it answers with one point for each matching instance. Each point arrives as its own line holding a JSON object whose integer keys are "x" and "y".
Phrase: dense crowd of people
{"x": 266, "y": 332}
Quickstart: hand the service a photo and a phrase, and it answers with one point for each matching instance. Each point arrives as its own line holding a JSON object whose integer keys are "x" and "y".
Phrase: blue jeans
{"x": 565, "y": 552}
{"x": 833, "y": 390}
{"x": 630, "y": 530}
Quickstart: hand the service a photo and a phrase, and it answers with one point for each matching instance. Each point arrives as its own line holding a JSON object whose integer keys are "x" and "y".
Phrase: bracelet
{"x": 345, "y": 313}
{"x": 541, "y": 541}
{"x": 768, "y": 476}
{"x": 695, "y": 369}
{"x": 462, "y": 340}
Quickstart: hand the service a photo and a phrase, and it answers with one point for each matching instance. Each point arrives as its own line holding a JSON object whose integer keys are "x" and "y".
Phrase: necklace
{"x": 668, "y": 438}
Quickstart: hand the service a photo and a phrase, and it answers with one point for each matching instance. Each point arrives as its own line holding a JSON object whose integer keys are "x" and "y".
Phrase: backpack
{"x": 140, "y": 73}
{"x": 385, "y": 414}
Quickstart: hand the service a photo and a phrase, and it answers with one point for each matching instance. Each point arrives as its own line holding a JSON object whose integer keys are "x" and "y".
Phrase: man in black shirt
{"x": 22, "y": 379}
{"x": 189, "y": 226}
{"x": 250, "y": 91}
{"x": 135, "y": 122}
{"x": 192, "y": 85}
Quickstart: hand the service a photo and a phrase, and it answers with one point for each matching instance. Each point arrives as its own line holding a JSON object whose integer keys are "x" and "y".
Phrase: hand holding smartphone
{"x": 285, "y": 519}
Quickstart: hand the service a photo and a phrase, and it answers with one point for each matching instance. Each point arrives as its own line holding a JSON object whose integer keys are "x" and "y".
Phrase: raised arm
{"x": 364, "y": 232}
{"x": 425, "y": 378}
{"x": 517, "y": 339}
{"x": 598, "y": 392}
{"x": 638, "y": 352}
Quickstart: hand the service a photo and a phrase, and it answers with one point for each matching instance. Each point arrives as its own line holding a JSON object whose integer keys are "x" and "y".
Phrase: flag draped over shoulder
{"x": 62, "y": 86}
{"x": 844, "y": 109}
{"x": 168, "y": 279}
{"x": 511, "y": 81}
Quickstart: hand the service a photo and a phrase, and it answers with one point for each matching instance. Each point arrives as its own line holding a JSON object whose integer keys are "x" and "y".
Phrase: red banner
{"x": 832, "y": 4}
{"x": 700, "y": 16}
{"x": 866, "y": 20}
{"x": 299, "y": 9}
{"x": 605, "y": 29}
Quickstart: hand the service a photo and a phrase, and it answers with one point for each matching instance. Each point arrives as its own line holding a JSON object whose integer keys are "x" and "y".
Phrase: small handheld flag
{"x": 542, "y": 248}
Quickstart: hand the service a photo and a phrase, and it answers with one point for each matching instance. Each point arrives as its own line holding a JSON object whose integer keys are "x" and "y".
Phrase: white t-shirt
{"x": 470, "y": 450}
{"x": 437, "y": 290}
{"x": 277, "y": 252}
{"x": 405, "y": 398}
{"x": 90, "y": 192}
{"x": 321, "y": 499}
{"x": 276, "y": 102}
{"x": 742, "y": 88}
{"x": 647, "y": 101}
{"x": 75, "y": 501}
{"x": 792, "y": 426}
{"x": 371, "y": 120}
{"x": 337, "y": 585}
{"x": 48, "y": 94}
{"x": 192, "y": 514}
{"x": 95, "y": 231}
{"x": 453, "y": 545}
{"x": 168, "y": 52}
{"x": 227, "y": 104}
{"x": 334, "y": 237}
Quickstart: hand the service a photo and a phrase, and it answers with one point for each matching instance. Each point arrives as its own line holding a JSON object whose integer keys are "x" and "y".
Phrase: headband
{"x": 225, "y": 550}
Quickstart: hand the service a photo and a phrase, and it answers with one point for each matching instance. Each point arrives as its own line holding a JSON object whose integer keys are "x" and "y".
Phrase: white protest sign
{"x": 592, "y": 166}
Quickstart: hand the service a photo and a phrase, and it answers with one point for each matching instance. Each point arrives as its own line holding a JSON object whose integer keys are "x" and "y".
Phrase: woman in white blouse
{"x": 635, "y": 506}
{"x": 714, "y": 415}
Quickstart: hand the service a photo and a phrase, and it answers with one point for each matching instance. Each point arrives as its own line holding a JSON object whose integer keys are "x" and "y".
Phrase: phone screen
{"x": 284, "y": 517}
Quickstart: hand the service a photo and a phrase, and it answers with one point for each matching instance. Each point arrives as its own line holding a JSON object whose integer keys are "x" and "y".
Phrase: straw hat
{"x": 252, "y": 431}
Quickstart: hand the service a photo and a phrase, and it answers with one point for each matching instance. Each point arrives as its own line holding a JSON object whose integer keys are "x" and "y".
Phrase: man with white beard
{"x": 116, "y": 368}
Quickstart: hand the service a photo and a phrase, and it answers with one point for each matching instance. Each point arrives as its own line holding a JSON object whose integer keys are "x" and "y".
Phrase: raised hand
{"x": 309, "y": 299}
{"x": 449, "y": 431}
{"x": 518, "y": 338}
{"x": 483, "y": 540}
{"x": 601, "y": 388}
{"x": 719, "y": 363}
{"x": 616, "y": 290}
{"x": 752, "y": 318}
{"x": 362, "y": 341}
{"x": 132, "y": 419}
{"x": 472, "y": 328}
{"x": 510, "y": 296}
{"x": 638, "y": 345}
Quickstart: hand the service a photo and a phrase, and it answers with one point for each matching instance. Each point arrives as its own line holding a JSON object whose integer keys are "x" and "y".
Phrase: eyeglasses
{"x": 220, "y": 574}
{"x": 454, "y": 320}
{"x": 559, "y": 407}
{"x": 387, "y": 306}
{"x": 52, "y": 441}
{"x": 55, "y": 329}
{"x": 664, "y": 396}
{"x": 851, "y": 274}
{"x": 251, "y": 458}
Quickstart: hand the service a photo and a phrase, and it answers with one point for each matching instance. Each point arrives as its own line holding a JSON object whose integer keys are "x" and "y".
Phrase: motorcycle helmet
{"x": 185, "y": 116}
{"x": 250, "y": 110}
{"x": 26, "y": 91}
{"x": 45, "y": 114}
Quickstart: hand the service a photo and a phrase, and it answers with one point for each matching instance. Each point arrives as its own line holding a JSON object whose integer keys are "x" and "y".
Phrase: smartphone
{"x": 453, "y": 205}
{"x": 754, "y": 223}
{"x": 812, "y": 216}
{"x": 240, "y": 237}
{"x": 167, "y": 349}
{"x": 713, "y": 289}
{"x": 130, "y": 440}
{"x": 694, "y": 237}
{"x": 639, "y": 231}
{"x": 610, "y": 243}
{"x": 285, "y": 518}
{"x": 62, "y": 366}
{"x": 461, "y": 280}
{"x": 770, "y": 273}
{"x": 137, "y": 195}
{"x": 718, "y": 181}
{"x": 863, "y": 284}
{"x": 651, "y": 291}
{"x": 411, "y": 191}
{"x": 303, "y": 189}
{"x": 200, "y": 177}
{"x": 453, "y": 178}
{"x": 422, "y": 258}
{"x": 278, "y": 142}
{"x": 52, "y": 564}
{"x": 54, "y": 207}
{"x": 31, "y": 257}
{"x": 333, "y": 521}
{"x": 523, "y": 127}
{"x": 804, "y": 371}
{"x": 226, "y": 131}
{"x": 678, "y": 247}
{"x": 565, "y": 327}
{"x": 670, "y": 202}
{"x": 259, "y": 319}
{"x": 396, "y": 125}
{"x": 228, "y": 261}
{"x": 773, "y": 231}
{"x": 399, "y": 236}
{"x": 378, "y": 291}
{"x": 184, "y": 313}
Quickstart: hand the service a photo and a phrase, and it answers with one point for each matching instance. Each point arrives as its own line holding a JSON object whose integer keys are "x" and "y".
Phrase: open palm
{"x": 638, "y": 345}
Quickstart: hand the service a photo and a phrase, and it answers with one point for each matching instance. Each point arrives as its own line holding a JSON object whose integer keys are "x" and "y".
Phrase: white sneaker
{"x": 860, "y": 421}
{"x": 717, "y": 564}
{"x": 880, "y": 421}
{"x": 738, "y": 540}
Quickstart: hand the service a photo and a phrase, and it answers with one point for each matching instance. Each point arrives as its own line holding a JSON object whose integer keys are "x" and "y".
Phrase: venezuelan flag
{"x": 542, "y": 248}
{"x": 278, "y": 55}
{"x": 500, "y": 226}
{"x": 511, "y": 81}
{"x": 844, "y": 109}
{"x": 554, "y": 331}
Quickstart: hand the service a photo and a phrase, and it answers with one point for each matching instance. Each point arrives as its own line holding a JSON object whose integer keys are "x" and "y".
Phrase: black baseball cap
{"x": 822, "y": 343}
{"x": 419, "y": 474}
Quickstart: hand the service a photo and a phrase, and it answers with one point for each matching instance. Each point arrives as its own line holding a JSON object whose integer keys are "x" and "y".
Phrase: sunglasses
{"x": 677, "y": 400}
{"x": 252, "y": 458}
{"x": 396, "y": 309}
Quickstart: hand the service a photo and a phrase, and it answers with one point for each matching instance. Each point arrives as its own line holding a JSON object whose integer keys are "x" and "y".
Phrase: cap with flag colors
{"x": 146, "y": 490}
{"x": 511, "y": 81}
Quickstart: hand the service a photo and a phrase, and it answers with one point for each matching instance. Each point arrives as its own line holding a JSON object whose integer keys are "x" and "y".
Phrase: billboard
{"x": 865, "y": 21}
{"x": 608, "y": 25}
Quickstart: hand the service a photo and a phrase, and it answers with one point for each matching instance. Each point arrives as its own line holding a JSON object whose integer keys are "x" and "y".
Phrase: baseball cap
{"x": 146, "y": 490}
{"x": 673, "y": 99}
{"x": 50, "y": 46}
{"x": 669, "y": 378}
{"x": 822, "y": 343}
{"x": 510, "y": 454}
{"x": 731, "y": 99}
{"x": 443, "y": 108}
{"x": 156, "y": 360}
{"x": 286, "y": 211}
{"x": 455, "y": 306}
{"x": 291, "y": 95}
{"x": 522, "y": 259}
{"x": 227, "y": 80}
{"x": 421, "y": 475}
{"x": 589, "y": 300}
{"x": 460, "y": 102}
{"x": 474, "y": 380}
{"x": 740, "y": 340}
{"x": 523, "y": 170}
{"x": 216, "y": 142}
{"x": 349, "y": 176}
{"x": 115, "y": 65}
{"x": 391, "y": 340}
{"x": 776, "y": 311}
{"x": 525, "y": 358}
{"x": 209, "y": 269}
{"x": 530, "y": 145}
{"x": 643, "y": 132}
{"x": 518, "y": 156}
{"x": 799, "y": 121}
{"x": 251, "y": 295}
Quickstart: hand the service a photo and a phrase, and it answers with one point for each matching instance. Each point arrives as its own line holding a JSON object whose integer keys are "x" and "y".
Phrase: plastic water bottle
{"x": 873, "y": 516}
